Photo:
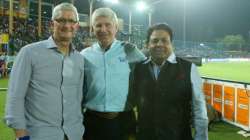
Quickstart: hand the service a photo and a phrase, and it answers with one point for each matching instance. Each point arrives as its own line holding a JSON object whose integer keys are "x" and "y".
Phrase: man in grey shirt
{"x": 45, "y": 89}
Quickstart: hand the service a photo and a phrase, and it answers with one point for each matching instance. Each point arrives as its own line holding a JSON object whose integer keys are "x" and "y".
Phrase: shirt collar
{"x": 52, "y": 44}
{"x": 170, "y": 59}
{"x": 98, "y": 47}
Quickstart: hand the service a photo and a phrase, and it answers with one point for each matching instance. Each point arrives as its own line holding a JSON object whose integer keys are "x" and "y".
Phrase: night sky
{"x": 206, "y": 20}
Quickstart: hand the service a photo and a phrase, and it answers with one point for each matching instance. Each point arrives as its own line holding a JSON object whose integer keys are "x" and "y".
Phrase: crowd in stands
{"x": 25, "y": 32}
{"x": 79, "y": 38}
{"x": 3, "y": 65}
{"x": 210, "y": 50}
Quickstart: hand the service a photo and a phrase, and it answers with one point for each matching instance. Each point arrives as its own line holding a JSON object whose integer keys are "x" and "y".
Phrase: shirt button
{"x": 64, "y": 101}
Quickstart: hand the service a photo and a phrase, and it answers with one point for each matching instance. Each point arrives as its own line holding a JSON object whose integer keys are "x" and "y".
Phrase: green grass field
{"x": 5, "y": 132}
{"x": 222, "y": 131}
{"x": 3, "y": 83}
{"x": 236, "y": 71}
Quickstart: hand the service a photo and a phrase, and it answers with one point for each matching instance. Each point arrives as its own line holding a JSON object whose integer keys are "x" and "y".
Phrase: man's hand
{"x": 20, "y": 133}
{"x": 129, "y": 46}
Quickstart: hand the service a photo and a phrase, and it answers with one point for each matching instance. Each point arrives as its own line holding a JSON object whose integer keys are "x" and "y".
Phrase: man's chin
{"x": 105, "y": 42}
{"x": 159, "y": 57}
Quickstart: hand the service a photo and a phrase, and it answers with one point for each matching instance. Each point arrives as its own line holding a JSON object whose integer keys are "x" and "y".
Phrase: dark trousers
{"x": 118, "y": 128}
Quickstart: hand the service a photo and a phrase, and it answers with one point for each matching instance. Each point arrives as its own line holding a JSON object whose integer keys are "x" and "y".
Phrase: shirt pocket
{"x": 120, "y": 65}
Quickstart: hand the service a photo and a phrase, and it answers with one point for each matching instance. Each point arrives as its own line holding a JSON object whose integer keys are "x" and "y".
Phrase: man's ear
{"x": 173, "y": 48}
{"x": 51, "y": 24}
{"x": 91, "y": 34}
{"x": 117, "y": 27}
{"x": 77, "y": 26}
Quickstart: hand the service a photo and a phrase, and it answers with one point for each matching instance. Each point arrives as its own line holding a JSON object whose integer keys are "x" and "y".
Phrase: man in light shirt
{"x": 168, "y": 91}
{"x": 108, "y": 64}
{"x": 45, "y": 89}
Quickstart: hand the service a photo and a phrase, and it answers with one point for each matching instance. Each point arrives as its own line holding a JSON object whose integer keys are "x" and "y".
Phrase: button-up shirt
{"x": 45, "y": 92}
{"x": 107, "y": 76}
{"x": 198, "y": 100}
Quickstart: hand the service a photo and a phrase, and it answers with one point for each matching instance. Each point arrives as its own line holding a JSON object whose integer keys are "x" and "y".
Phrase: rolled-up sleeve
{"x": 198, "y": 106}
{"x": 18, "y": 85}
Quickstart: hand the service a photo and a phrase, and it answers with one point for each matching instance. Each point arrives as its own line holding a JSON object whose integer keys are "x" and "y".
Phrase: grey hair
{"x": 64, "y": 7}
{"x": 105, "y": 12}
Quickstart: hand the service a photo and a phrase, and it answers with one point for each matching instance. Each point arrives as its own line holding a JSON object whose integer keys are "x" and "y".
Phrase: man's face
{"x": 104, "y": 30}
{"x": 65, "y": 26}
{"x": 160, "y": 46}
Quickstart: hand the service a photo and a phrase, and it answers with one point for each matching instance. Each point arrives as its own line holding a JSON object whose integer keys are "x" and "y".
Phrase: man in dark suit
{"x": 168, "y": 91}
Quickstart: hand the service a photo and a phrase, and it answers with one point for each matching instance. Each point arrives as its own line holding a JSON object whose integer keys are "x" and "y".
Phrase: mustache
{"x": 159, "y": 49}
{"x": 102, "y": 33}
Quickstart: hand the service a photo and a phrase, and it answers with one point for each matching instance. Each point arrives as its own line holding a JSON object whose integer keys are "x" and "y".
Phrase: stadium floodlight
{"x": 148, "y": 7}
{"x": 141, "y": 6}
{"x": 112, "y": 1}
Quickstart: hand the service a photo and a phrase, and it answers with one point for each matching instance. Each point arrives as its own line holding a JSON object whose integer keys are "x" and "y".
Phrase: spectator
{"x": 3, "y": 65}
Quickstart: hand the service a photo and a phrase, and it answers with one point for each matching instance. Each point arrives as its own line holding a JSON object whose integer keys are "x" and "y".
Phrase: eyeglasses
{"x": 65, "y": 21}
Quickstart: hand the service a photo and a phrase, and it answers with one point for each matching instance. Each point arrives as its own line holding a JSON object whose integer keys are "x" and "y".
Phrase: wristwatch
{"x": 23, "y": 138}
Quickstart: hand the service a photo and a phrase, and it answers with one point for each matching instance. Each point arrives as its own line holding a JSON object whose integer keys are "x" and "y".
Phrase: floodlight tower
{"x": 143, "y": 6}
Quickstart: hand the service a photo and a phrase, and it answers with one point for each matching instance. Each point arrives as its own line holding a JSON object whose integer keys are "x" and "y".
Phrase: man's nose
{"x": 103, "y": 28}
{"x": 67, "y": 24}
{"x": 160, "y": 43}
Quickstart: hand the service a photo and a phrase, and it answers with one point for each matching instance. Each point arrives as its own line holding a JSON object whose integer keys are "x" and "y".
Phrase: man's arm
{"x": 18, "y": 85}
{"x": 198, "y": 106}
